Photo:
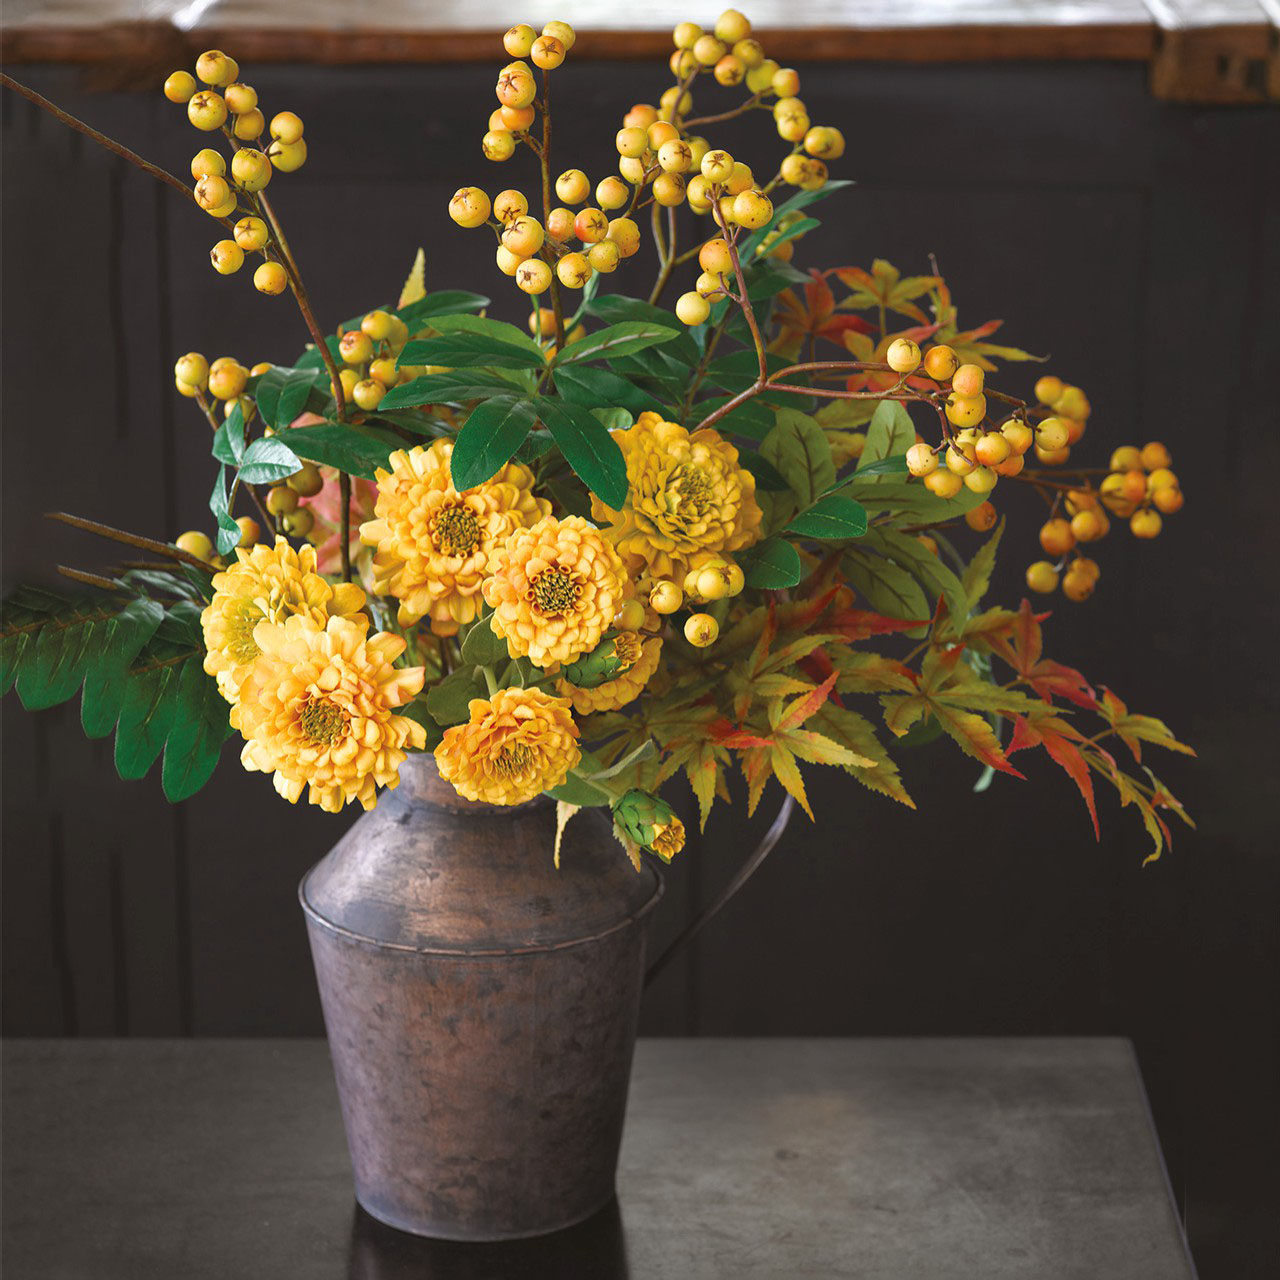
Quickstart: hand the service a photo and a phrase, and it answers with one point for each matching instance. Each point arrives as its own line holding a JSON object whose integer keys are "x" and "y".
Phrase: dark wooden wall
{"x": 1137, "y": 242}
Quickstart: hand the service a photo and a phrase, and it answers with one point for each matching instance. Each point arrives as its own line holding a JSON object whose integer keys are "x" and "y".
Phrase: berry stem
{"x": 103, "y": 141}
{"x": 544, "y": 161}
{"x": 129, "y": 539}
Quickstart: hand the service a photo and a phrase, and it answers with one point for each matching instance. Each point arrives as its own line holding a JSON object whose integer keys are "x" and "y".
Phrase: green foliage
{"x": 622, "y": 339}
{"x": 771, "y": 565}
{"x": 492, "y": 433}
{"x": 358, "y": 450}
{"x": 832, "y": 518}
{"x": 890, "y": 435}
{"x": 588, "y": 448}
{"x": 139, "y": 668}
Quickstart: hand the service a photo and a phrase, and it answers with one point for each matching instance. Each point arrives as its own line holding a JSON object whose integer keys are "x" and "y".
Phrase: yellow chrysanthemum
{"x": 643, "y": 653}
{"x": 516, "y": 745}
{"x": 433, "y": 544}
{"x": 318, "y": 710}
{"x": 686, "y": 493}
{"x": 555, "y": 590}
{"x": 267, "y": 584}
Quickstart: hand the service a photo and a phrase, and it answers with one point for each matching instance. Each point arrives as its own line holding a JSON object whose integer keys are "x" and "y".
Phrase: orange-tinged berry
{"x": 612, "y": 193}
{"x": 1011, "y": 466}
{"x": 195, "y": 543}
{"x": 251, "y": 234}
{"x": 1126, "y": 458}
{"x": 240, "y": 98}
{"x": 1048, "y": 389}
{"x": 943, "y": 483}
{"x": 355, "y": 347}
{"x": 547, "y": 53}
{"x": 1051, "y": 435}
{"x": 730, "y": 70}
{"x": 590, "y": 226}
{"x": 509, "y": 205}
{"x": 1087, "y": 525}
{"x": 215, "y": 68}
{"x": 573, "y": 270}
{"x": 470, "y": 207}
{"x": 1146, "y": 523}
{"x": 1056, "y": 536}
{"x": 668, "y": 189}
{"x": 1167, "y": 500}
{"x": 982, "y": 517}
{"x": 208, "y": 163}
{"x": 940, "y": 362}
{"x": 1019, "y": 435}
{"x": 1042, "y": 577}
{"x": 752, "y": 209}
{"x": 965, "y": 411}
{"x": 286, "y": 127}
{"x": 524, "y": 236}
{"x": 632, "y": 142}
{"x": 1077, "y": 586}
{"x": 1161, "y": 478}
{"x": 179, "y": 86}
{"x": 968, "y": 380}
{"x": 227, "y": 257}
{"x": 625, "y": 233}
{"x": 560, "y": 224}
{"x": 992, "y": 449}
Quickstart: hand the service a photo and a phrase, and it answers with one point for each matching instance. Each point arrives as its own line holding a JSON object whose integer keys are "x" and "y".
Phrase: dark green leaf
{"x": 294, "y": 394}
{"x": 614, "y": 419}
{"x": 104, "y": 684}
{"x": 576, "y": 790}
{"x": 443, "y": 302}
{"x": 444, "y": 388}
{"x": 886, "y": 587}
{"x": 896, "y": 466}
{"x": 200, "y": 727}
{"x": 908, "y": 501}
{"x": 613, "y": 308}
{"x": 146, "y": 716}
{"x": 766, "y": 473}
{"x": 228, "y": 534}
{"x": 228, "y": 440}
{"x": 268, "y": 460}
{"x": 480, "y": 647}
{"x": 492, "y": 432}
{"x": 771, "y": 565}
{"x": 598, "y": 388}
{"x": 621, "y": 339}
{"x": 909, "y": 552}
{"x": 358, "y": 450}
{"x": 449, "y": 701}
{"x": 470, "y": 350}
{"x": 832, "y": 518}
{"x": 890, "y": 435}
{"x": 588, "y": 448}
{"x": 798, "y": 449}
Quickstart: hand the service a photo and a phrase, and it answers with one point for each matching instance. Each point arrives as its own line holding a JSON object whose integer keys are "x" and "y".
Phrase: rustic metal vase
{"x": 481, "y": 1007}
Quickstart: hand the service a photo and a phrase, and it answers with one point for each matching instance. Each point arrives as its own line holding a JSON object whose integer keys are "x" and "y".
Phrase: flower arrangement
{"x": 625, "y": 544}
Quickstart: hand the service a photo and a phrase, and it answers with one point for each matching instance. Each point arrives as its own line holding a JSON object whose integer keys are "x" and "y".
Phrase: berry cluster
{"x": 662, "y": 163}
{"x": 229, "y": 106}
{"x": 712, "y": 578}
{"x": 369, "y": 356}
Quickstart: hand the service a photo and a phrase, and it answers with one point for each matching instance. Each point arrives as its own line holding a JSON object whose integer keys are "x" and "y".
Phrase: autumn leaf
{"x": 1059, "y": 739}
{"x": 1022, "y": 651}
{"x": 1133, "y": 730}
{"x": 811, "y": 315}
{"x": 884, "y": 286}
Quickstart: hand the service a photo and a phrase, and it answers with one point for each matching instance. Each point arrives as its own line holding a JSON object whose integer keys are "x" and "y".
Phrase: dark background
{"x": 1137, "y": 242}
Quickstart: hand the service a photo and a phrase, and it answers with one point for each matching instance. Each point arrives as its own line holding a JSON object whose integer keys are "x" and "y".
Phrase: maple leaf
{"x": 1133, "y": 730}
{"x": 861, "y": 624}
{"x": 884, "y": 287}
{"x": 1059, "y": 740}
{"x": 812, "y": 316}
{"x": 1022, "y": 650}
{"x": 856, "y": 732}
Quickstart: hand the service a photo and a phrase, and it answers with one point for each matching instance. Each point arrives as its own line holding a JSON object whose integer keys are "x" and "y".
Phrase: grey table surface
{"x": 785, "y": 1159}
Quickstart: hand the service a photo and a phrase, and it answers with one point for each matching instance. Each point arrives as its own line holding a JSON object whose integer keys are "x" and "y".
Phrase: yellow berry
{"x": 516, "y": 87}
{"x": 573, "y": 271}
{"x": 547, "y": 53}
{"x": 193, "y": 369}
{"x": 943, "y": 483}
{"x": 1126, "y": 458}
{"x": 251, "y": 169}
{"x": 355, "y": 347}
{"x": 216, "y": 69}
{"x": 786, "y": 82}
{"x": 282, "y": 499}
{"x": 298, "y": 523}
{"x": 730, "y": 70}
{"x": 631, "y": 616}
{"x": 533, "y": 276}
{"x": 1019, "y": 435}
{"x": 1048, "y": 389}
{"x": 508, "y": 262}
{"x": 824, "y": 143}
{"x": 1155, "y": 456}
{"x": 1051, "y": 435}
{"x": 227, "y": 257}
{"x": 708, "y": 50}
{"x": 1168, "y": 499}
{"x": 1077, "y": 586}
{"x": 752, "y": 209}
{"x": 921, "y": 460}
{"x": 212, "y": 192}
{"x": 287, "y": 157}
{"x": 717, "y": 165}
{"x": 1087, "y": 526}
{"x": 498, "y": 145}
{"x": 1072, "y": 403}
{"x": 251, "y": 234}
{"x": 1042, "y": 577}
{"x": 701, "y": 630}
{"x": 271, "y": 278}
{"x": 992, "y": 449}
{"x": 982, "y": 517}
{"x": 668, "y": 189}
{"x": 960, "y": 457}
{"x": 240, "y": 98}
{"x": 626, "y": 235}
{"x": 509, "y": 205}
{"x": 666, "y": 597}
{"x": 1146, "y": 523}
{"x": 385, "y": 371}
{"x": 604, "y": 256}
{"x": 470, "y": 206}
{"x": 179, "y": 86}
{"x": 940, "y": 362}
{"x": 207, "y": 111}
{"x": 708, "y": 284}
{"x": 981, "y": 480}
{"x": 572, "y": 186}
{"x": 286, "y": 127}
{"x": 793, "y": 123}
{"x": 227, "y": 380}
{"x": 967, "y": 380}
{"x": 377, "y": 325}
{"x": 563, "y": 32}
{"x": 903, "y": 355}
{"x": 560, "y": 224}
{"x": 523, "y": 236}
{"x": 368, "y": 393}
{"x": 641, "y": 116}
{"x": 306, "y": 482}
{"x": 249, "y": 126}
{"x": 686, "y": 35}
{"x": 675, "y": 156}
{"x": 732, "y": 26}
{"x": 195, "y": 543}
{"x": 760, "y": 76}
{"x": 612, "y": 193}
{"x": 208, "y": 163}
{"x": 519, "y": 40}
{"x": 632, "y": 142}
{"x": 1056, "y": 536}
{"x": 692, "y": 308}
{"x": 965, "y": 411}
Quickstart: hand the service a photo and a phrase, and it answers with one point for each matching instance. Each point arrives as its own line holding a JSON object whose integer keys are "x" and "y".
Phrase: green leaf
{"x": 771, "y": 565}
{"x": 228, "y": 534}
{"x": 614, "y": 419}
{"x": 797, "y": 228}
{"x": 578, "y": 791}
{"x": 104, "y": 683}
{"x": 801, "y": 200}
{"x": 896, "y": 466}
{"x": 977, "y": 574}
{"x": 908, "y": 501}
{"x": 832, "y": 518}
{"x": 766, "y": 473}
{"x": 613, "y": 309}
{"x": 268, "y": 460}
{"x": 470, "y": 350}
{"x": 753, "y": 418}
{"x": 200, "y": 727}
{"x": 294, "y": 394}
{"x": 596, "y": 388}
{"x": 442, "y": 388}
{"x": 480, "y": 647}
{"x": 487, "y": 327}
{"x": 228, "y": 440}
{"x": 493, "y": 431}
{"x": 146, "y": 716}
{"x": 909, "y": 552}
{"x": 449, "y": 701}
{"x": 890, "y": 435}
{"x": 622, "y": 339}
{"x": 798, "y": 449}
{"x": 588, "y": 448}
{"x": 443, "y": 302}
{"x": 886, "y": 587}
{"x": 357, "y": 450}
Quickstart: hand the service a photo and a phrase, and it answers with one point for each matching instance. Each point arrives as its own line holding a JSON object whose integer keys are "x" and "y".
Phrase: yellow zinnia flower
{"x": 642, "y": 654}
{"x": 516, "y": 745}
{"x": 555, "y": 590}
{"x": 266, "y": 584}
{"x": 434, "y": 543}
{"x": 318, "y": 710}
{"x": 686, "y": 493}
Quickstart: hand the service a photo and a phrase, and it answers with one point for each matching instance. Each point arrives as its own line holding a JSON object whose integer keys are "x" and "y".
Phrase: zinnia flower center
{"x": 322, "y": 721}
{"x": 692, "y": 487}
{"x": 456, "y": 531}
{"x": 554, "y": 591}
{"x": 627, "y": 649}
{"x": 512, "y": 758}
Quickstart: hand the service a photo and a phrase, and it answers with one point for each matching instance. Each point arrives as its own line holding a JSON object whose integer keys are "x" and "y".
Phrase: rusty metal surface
{"x": 481, "y": 1009}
